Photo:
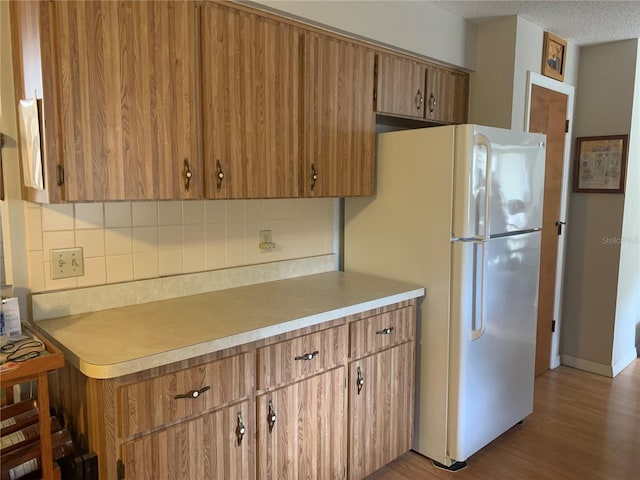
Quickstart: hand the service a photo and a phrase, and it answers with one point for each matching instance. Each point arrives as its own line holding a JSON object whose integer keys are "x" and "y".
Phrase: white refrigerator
{"x": 458, "y": 210}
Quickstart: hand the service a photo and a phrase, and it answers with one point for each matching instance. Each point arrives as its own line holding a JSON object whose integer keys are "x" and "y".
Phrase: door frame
{"x": 568, "y": 90}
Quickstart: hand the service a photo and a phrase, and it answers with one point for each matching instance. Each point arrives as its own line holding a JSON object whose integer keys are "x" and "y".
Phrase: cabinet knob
{"x": 219, "y": 175}
{"x": 314, "y": 176}
{"x": 419, "y": 100}
{"x": 271, "y": 418}
{"x": 240, "y": 429}
{"x": 187, "y": 175}
{"x": 432, "y": 103}
{"x": 385, "y": 331}
{"x": 307, "y": 356}
{"x": 360, "y": 380}
{"x": 193, "y": 393}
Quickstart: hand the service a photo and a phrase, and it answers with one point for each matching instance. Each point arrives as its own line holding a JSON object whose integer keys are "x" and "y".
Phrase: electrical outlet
{"x": 266, "y": 242}
{"x": 66, "y": 262}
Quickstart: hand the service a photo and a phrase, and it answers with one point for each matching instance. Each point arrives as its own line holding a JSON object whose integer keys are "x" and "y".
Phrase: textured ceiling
{"x": 581, "y": 22}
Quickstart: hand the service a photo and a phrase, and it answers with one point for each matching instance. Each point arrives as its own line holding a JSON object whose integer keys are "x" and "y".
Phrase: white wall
{"x": 627, "y": 322}
{"x": 604, "y": 106}
{"x": 415, "y": 26}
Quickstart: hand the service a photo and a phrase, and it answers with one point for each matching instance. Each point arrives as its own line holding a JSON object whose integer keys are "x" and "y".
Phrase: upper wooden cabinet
{"x": 339, "y": 121}
{"x": 447, "y": 95}
{"x": 400, "y": 86}
{"x": 124, "y": 113}
{"x": 251, "y": 73}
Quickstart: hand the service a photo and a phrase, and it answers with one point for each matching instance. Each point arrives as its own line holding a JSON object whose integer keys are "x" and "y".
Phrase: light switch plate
{"x": 66, "y": 262}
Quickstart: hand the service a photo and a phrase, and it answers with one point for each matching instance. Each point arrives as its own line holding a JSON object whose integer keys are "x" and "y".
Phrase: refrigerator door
{"x": 509, "y": 166}
{"x": 493, "y": 334}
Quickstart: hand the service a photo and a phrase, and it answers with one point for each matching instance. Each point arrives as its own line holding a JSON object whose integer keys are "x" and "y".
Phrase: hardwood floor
{"x": 583, "y": 427}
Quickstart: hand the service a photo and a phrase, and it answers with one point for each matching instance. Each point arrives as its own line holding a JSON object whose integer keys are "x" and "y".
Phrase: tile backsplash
{"x": 127, "y": 241}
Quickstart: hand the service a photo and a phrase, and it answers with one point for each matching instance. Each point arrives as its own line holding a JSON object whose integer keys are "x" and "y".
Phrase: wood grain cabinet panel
{"x": 339, "y": 121}
{"x": 380, "y": 409}
{"x": 208, "y": 447}
{"x": 251, "y": 73}
{"x": 380, "y": 331}
{"x": 400, "y": 86}
{"x": 291, "y": 360}
{"x": 447, "y": 95}
{"x": 126, "y": 78}
{"x": 151, "y": 403}
{"x": 301, "y": 429}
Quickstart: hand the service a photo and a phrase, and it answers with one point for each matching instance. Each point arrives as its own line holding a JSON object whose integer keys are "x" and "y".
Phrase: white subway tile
{"x": 36, "y": 272}
{"x": 52, "y": 240}
{"x": 34, "y": 229}
{"x": 145, "y": 265}
{"x": 117, "y": 214}
{"x": 235, "y": 244}
{"x": 144, "y": 214}
{"x": 215, "y": 211}
{"x": 170, "y": 238}
{"x": 235, "y": 211}
{"x": 253, "y": 210}
{"x": 117, "y": 241}
{"x": 57, "y": 217}
{"x": 170, "y": 213}
{"x": 215, "y": 257}
{"x": 170, "y": 262}
{"x": 193, "y": 212}
{"x": 280, "y": 209}
{"x": 119, "y": 268}
{"x": 95, "y": 272}
{"x": 145, "y": 239}
{"x": 89, "y": 215}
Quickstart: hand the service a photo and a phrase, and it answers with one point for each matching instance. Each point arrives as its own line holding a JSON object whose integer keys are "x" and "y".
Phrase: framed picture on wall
{"x": 554, "y": 56}
{"x": 600, "y": 164}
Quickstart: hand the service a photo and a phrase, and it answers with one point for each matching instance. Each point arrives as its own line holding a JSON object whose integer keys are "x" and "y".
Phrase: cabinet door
{"x": 339, "y": 121}
{"x": 380, "y": 409}
{"x": 128, "y": 95}
{"x": 251, "y": 69}
{"x": 400, "y": 86}
{"x": 301, "y": 429}
{"x": 208, "y": 447}
{"x": 447, "y": 95}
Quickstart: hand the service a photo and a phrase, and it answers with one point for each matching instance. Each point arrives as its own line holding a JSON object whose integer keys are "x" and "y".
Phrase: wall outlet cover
{"x": 66, "y": 262}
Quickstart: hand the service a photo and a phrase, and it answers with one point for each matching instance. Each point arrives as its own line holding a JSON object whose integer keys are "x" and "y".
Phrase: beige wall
{"x": 604, "y": 106}
{"x": 415, "y": 26}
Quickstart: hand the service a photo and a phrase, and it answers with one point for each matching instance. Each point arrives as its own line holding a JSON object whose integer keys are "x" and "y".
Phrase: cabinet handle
{"x": 360, "y": 381}
{"x": 432, "y": 103}
{"x": 240, "y": 429}
{"x": 307, "y": 356}
{"x": 219, "y": 175}
{"x": 314, "y": 176}
{"x": 271, "y": 419}
{"x": 193, "y": 393}
{"x": 419, "y": 100}
{"x": 385, "y": 331}
{"x": 187, "y": 175}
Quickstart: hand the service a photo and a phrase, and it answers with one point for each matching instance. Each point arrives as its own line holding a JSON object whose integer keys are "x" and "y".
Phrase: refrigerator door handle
{"x": 479, "y": 294}
{"x": 482, "y": 140}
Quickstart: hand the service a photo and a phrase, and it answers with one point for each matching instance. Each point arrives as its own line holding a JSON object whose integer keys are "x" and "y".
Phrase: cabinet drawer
{"x": 151, "y": 403}
{"x": 381, "y": 331}
{"x": 287, "y": 361}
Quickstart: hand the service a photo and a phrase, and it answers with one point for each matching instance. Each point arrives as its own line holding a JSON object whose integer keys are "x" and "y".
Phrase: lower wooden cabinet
{"x": 300, "y": 429}
{"x": 213, "y": 446}
{"x": 380, "y": 409}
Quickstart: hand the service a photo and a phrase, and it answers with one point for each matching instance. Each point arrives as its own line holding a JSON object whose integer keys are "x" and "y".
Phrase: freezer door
{"x": 493, "y": 334}
{"x": 509, "y": 166}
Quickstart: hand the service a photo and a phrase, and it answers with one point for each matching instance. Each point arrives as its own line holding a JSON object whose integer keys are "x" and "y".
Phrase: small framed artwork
{"x": 600, "y": 164}
{"x": 554, "y": 56}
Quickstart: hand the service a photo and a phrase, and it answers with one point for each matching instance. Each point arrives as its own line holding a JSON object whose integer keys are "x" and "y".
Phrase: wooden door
{"x": 446, "y": 98}
{"x": 251, "y": 70}
{"x": 380, "y": 409}
{"x": 400, "y": 86}
{"x": 339, "y": 121}
{"x": 548, "y": 115}
{"x": 307, "y": 437}
{"x": 127, "y": 88}
{"x": 209, "y": 447}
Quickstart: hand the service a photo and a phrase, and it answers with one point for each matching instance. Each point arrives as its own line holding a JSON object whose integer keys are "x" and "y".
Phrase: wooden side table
{"x": 37, "y": 369}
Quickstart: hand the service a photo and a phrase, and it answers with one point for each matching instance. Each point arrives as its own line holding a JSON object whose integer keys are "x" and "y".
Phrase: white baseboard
{"x": 625, "y": 361}
{"x": 555, "y": 362}
{"x": 587, "y": 365}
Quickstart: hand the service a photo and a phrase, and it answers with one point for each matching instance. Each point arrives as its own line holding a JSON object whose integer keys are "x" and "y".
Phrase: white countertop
{"x": 115, "y": 342}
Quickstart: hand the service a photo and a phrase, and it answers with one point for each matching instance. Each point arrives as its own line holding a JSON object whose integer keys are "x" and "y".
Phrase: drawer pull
{"x": 271, "y": 419}
{"x": 240, "y": 429}
{"x": 193, "y": 393}
{"x": 307, "y": 356}
{"x": 360, "y": 380}
{"x": 385, "y": 331}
